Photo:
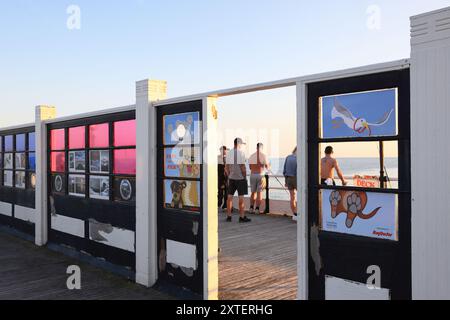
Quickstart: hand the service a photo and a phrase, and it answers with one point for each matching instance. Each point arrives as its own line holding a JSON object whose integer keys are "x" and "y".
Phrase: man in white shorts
{"x": 258, "y": 166}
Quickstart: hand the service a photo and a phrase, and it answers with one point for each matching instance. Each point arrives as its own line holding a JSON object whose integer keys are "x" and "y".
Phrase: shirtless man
{"x": 258, "y": 166}
{"x": 328, "y": 165}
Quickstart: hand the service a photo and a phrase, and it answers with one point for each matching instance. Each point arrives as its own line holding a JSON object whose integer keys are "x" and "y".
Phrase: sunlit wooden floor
{"x": 258, "y": 260}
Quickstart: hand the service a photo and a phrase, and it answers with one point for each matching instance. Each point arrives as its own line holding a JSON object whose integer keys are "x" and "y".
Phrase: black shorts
{"x": 241, "y": 186}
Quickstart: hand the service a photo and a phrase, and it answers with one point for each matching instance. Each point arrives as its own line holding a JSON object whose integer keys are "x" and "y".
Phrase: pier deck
{"x": 28, "y": 272}
{"x": 258, "y": 261}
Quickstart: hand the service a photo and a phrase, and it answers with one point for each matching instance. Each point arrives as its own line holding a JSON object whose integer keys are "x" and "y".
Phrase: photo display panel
{"x": 18, "y": 179}
{"x": 182, "y": 161}
{"x": 92, "y": 190}
{"x": 18, "y": 161}
{"x": 92, "y": 165}
{"x": 180, "y": 210}
{"x": 359, "y": 181}
{"x": 369, "y": 117}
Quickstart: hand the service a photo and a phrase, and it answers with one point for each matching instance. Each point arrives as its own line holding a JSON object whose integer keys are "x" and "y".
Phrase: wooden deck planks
{"x": 258, "y": 261}
{"x": 31, "y": 273}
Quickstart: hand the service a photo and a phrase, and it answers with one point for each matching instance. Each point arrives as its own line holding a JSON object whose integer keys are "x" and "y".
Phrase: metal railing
{"x": 282, "y": 187}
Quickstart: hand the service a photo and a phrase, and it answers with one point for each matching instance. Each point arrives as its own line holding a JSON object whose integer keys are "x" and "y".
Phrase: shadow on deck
{"x": 31, "y": 273}
{"x": 258, "y": 261}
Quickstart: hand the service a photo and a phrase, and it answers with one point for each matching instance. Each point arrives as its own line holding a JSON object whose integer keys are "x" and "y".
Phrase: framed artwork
{"x": 99, "y": 187}
{"x": 7, "y": 178}
{"x": 77, "y": 161}
{"x": 124, "y": 189}
{"x": 9, "y": 161}
{"x": 58, "y": 183}
{"x": 20, "y": 179}
{"x": 77, "y": 185}
{"x": 182, "y": 195}
{"x": 99, "y": 161}
{"x": 360, "y": 114}
{"x": 366, "y": 214}
{"x": 21, "y": 161}
{"x": 182, "y": 162}
{"x": 182, "y": 129}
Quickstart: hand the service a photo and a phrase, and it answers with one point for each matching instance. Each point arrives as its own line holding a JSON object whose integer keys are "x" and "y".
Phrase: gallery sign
{"x": 362, "y": 114}
{"x": 360, "y": 213}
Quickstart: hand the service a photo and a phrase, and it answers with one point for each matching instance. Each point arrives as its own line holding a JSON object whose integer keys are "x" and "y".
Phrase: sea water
{"x": 349, "y": 166}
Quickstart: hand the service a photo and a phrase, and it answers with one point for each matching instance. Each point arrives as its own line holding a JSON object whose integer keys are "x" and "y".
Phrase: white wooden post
{"x": 41, "y": 227}
{"x": 146, "y": 221}
{"x": 302, "y": 187}
{"x": 210, "y": 206}
{"x": 430, "y": 153}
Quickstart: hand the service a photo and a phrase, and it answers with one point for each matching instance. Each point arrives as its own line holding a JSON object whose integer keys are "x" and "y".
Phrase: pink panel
{"x": 125, "y": 133}
{"x": 57, "y": 139}
{"x": 125, "y": 161}
{"x": 99, "y": 135}
{"x": 77, "y": 138}
{"x": 58, "y": 161}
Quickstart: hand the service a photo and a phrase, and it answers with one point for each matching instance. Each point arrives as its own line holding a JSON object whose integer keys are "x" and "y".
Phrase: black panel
{"x": 176, "y": 225}
{"x": 21, "y": 197}
{"x": 22, "y": 226}
{"x": 17, "y": 196}
{"x": 346, "y": 256}
{"x": 118, "y": 214}
{"x": 113, "y": 255}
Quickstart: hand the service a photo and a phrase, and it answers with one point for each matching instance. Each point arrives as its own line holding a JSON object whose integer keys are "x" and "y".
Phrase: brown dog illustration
{"x": 177, "y": 194}
{"x": 352, "y": 203}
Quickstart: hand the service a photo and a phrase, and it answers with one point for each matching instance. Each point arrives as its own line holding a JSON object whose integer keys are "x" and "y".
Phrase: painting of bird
{"x": 341, "y": 115}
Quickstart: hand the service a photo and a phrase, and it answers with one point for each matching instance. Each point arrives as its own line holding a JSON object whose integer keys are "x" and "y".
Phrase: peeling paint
{"x": 52, "y": 207}
{"x": 163, "y": 256}
{"x": 187, "y": 271}
{"x": 195, "y": 228}
{"x": 94, "y": 230}
{"x": 315, "y": 248}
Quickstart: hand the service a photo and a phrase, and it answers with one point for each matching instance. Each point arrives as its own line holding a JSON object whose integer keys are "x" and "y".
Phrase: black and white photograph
{"x": 99, "y": 161}
{"x": 8, "y": 178}
{"x": 77, "y": 185}
{"x": 21, "y": 161}
{"x": 9, "y": 161}
{"x": 20, "y": 179}
{"x": 99, "y": 187}
{"x": 77, "y": 161}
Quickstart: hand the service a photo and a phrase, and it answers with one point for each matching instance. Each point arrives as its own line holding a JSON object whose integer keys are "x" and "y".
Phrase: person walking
{"x": 290, "y": 176}
{"x": 258, "y": 166}
{"x": 327, "y": 166}
{"x": 222, "y": 179}
{"x": 237, "y": 179}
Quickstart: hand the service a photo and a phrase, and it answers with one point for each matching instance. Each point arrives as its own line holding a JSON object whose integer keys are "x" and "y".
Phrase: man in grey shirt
{"x": 237, "y": 179}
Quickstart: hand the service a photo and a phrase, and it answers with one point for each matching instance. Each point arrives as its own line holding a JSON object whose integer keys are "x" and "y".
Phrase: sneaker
{"x": 257, "y": 211}
{"x": 229, "y": 219}
{"x": 251, "y": 210}
{"x": 244, "y": 220}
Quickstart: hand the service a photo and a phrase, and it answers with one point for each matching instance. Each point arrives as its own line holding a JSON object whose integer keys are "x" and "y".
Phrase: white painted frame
{"x": 302, "y": 139}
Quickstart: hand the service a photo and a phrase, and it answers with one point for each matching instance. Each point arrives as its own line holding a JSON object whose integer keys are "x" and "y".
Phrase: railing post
{"x": 267, "y": 211}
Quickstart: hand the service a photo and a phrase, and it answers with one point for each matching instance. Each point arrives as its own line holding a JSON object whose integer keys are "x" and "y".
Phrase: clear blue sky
{"x": 195, "y": 45}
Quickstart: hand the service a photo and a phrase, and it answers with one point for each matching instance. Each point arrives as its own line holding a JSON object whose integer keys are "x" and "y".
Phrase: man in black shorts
{"x": 237, "y": 179}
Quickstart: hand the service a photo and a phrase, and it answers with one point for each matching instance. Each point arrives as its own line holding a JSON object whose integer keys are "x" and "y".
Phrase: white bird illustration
{"x": 359, "y": 125}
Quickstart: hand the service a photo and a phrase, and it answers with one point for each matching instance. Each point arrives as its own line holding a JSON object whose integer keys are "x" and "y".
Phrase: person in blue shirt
{"x": 290, "y": 176}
